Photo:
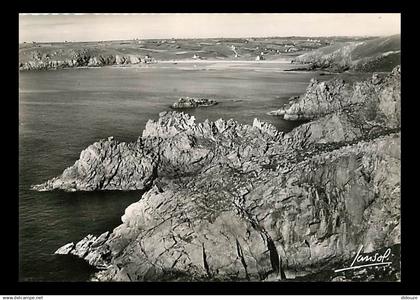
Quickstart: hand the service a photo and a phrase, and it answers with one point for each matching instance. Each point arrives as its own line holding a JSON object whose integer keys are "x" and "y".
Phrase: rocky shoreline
{"x": 82, "y": 59}
{"x": 226, "y": 201}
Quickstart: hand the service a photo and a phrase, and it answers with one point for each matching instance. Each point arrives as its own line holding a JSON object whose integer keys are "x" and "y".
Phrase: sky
{"x": 99, "y": 27}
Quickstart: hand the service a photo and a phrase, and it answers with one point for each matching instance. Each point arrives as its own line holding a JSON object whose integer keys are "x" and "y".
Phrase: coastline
{"x": 199, "y": 153}
{"x": 269, "y": 65}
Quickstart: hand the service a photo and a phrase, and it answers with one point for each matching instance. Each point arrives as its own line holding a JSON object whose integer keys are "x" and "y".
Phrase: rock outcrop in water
{"x": 107, "y": 165}
{"x": 226, "y": 201}
{"x": 188, "y": 102}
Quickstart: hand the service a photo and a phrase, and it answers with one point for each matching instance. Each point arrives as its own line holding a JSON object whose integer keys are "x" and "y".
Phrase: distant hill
{"x": 377, "y": 54}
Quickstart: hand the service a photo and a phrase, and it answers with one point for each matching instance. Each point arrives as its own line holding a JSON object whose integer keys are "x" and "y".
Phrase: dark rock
{"x": 188, "y": 102}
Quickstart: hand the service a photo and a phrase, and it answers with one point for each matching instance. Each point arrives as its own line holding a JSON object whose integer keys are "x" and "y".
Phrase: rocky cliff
{"x": 376, "y": 100}
{"x": 77, "y": 58}
{"x": 225, "y": 201}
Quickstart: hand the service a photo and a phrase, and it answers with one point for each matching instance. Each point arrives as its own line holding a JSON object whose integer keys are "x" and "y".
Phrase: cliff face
{"x": 226, "y": 201}
{"x": 224, "y": 224}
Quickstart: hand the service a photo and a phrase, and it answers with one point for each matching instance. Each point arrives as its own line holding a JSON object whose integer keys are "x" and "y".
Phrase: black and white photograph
{"x": 209, "y": 147}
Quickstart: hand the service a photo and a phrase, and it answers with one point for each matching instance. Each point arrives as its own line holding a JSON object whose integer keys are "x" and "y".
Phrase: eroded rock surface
{"x": 228, "y": 223}
{"x": 226, "y": 201}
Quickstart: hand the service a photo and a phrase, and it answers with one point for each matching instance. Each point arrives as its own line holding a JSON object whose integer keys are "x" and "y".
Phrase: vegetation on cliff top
{"x": 373, "y": 55}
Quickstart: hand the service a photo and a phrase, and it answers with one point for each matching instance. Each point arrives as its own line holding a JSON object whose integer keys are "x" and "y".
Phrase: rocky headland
{"x": 188, "y": 102}
{"x": 376, "y": 97}
{"x": 226, "y": 201}
{"x": 372, "y": 55}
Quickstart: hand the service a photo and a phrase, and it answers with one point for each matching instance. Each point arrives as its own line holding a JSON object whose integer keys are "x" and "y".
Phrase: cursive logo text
{"x": 367, "y": 260}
